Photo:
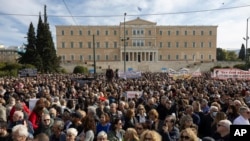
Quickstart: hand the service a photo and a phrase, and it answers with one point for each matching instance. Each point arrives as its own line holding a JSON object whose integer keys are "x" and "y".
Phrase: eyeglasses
{"x": 185, "y": 137}
{"x": 46, "y": 120}
{"x": 140, "y": 109}
{"x": 218, "y": 125}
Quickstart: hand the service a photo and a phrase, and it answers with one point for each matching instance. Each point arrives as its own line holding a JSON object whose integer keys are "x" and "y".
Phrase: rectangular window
{"x": 193, "y": 44}
{"x": 134, "y": 32}
{"x": 89, "y": 44}
{"x": 62, "y": 32}
{"x": 97, "y": 32}
{"x": 169, "y": 44}
{"x": 142, "y": 32}
{"x": 138, "y": 32}
{"x": 107, "y": 57}
{"x": 160, "y": 44}
{"x": 202, "y": 33}
{"x": 115, "y": 44}
{"x": 149, "y": 44}
{"x": 210, "y": 33}
{"x": 106, "y": 32}
{"x": 177, "y": 57}
{"x": 177, "y": 33}
{"x": 126, "y": 43}
{"x": 169, "y": 57}
{"x": 142, "y": 43}
{"x": 202, "y": 44}
{"x": 81, "y": 57}
{"x": 169, "y": 32}
{"x": 210, "y": 57}
{"x": 138, "y": 43}
{"x": 97, "y": 44}
{"x": 185, "y": 44}
{"x": 63, "y": 44}
{"x": 193, "y": 32}
{"x": 72, "y": 57}
{"x": 134, "y": 43}
{"x": 116, "y": 58}
{"x": 71, "y": 32}
{"x": 201, "y": 56}
{"x": 160, "y": 57}
{"x": 186, "y": 33}
{"x": 177, "y": 44}
{"x": 126, "y": 32}
{"x": 210, "y": 44}
{"x": 160, "y": 32}
{"x": 90, "y": 57}
{"x": 185, "y": 57}
{"x": 72, "y": 44}
{"x": 107, "y": 44}
{"x": 80, "y": 44}
{"x": 89, "y": 33}
{"x": 98, "y": 57}
{"x": 80, "y": 32}
{"x": 114, "y": 32}
{"x": 149, "y": 32}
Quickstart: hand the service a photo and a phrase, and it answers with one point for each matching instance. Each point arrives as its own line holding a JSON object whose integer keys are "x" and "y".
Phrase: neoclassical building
{"x": 144, "y": 41}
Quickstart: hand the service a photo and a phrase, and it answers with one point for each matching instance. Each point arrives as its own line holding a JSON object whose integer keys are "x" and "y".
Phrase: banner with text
{"x": 230, "y": 74}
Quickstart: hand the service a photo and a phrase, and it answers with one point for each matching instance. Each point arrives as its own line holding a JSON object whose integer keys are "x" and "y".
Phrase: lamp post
{"x": 124, "y": 40}
{"x": 246, "y": 38}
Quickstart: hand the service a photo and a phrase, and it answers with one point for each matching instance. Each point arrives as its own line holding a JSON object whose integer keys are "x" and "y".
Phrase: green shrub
{"x": 240, "y": 66}
{"x": 80, "y": 69}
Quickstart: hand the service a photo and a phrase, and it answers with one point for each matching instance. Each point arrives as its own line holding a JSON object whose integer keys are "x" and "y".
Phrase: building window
{"x": 177, "y": 33}
{"x": 98, "y": 57}
{"x": 210, "y": 44}
{"x": 115, "y": 44}
{"x": 89, "y": 44}
{"x": 106, "y": 32}
{"x": 134, "y": 32}
{"x": 186, "y": 33}
{"x": 185, "y": 44}
{"x": 80, "y": 32}
{"x": 210, "y": 33}
{"x": 138, "y": 43}
{"x": 126, "y": 43}
{"x": 160, "y": 57}
{"x": 116, "y": 58}
{"x": 63, "y": 58}
{"x": 63, "y": 44}
{"x": 81, "y": 57}
{"x": 80, "y": 44}
{"x": 107, "y": 57}
{"x": 169, "y": 32}
{"x": 149, "y": 44}
{"x": 114, "y": 32}
{"x": 160, "y": 44}
{"x": 98, "y": 32}
{"x": 134, "y": 43}
{"x": 90, "y": 57}
{"x": 202, "y": 44}
{"x": 201, "y": 56}
{"x": 160, "y": 32}
{"x": 177, "y": 44}
{"x": 149, "y": 32}
{"x": 193, "y": 44}
{"x": 72, "y": 44}
{"x": 169, "y": 57}
{"x": 202, "y": 33}
{"x": 107, "y": 44}
{"x": 71, "y": 32}
{"x": 193, "y": 32}
{"x": 185, "y": 57}
{"x": 210, "y": 57}
{"x": 97, "y": 44}
{"x": 72, "y": 57}
{"x": 62, "y": 32}
{"x": 142, "y": 32}
{"x": 177, "y": 57}
{"x": 169, "y": 44}
{"x": 89, "y": 33}
{"x": 126, "y": 32}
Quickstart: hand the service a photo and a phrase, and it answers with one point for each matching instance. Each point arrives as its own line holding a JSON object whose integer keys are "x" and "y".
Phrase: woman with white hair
{"x": 102, "y": 136}
{"x": 223, "y": 128}
{"x": 20, "y": 133}
{"x": 71, "y": 134}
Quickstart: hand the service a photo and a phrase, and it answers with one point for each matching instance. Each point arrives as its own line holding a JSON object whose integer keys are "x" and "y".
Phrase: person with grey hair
{"x": 71, "y": 134}
{"x": 223, "y": 128}
{"x": 102, "y": 136}
{"x": 243, "y": 118}
{"x": 20, "y": 133}
{"x": 57, "y": 129}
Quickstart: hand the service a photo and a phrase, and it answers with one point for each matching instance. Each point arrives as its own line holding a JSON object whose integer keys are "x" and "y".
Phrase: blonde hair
{"x": 190, "y": 133}
{"x": 155, "y": 135}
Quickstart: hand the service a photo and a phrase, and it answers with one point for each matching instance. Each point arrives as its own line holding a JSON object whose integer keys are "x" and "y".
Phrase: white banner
{"x": 131, "y": 94}
{"x": 230, "y": 74}
{"x": 129, "y": 74}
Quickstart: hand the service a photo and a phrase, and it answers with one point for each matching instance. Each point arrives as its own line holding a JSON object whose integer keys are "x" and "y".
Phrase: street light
{"x": 124, "y": 40}
{"x": 246, "y": 38}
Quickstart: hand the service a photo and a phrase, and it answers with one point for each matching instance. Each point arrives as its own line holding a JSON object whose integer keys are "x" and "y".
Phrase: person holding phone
{"x": 169, "y": 131}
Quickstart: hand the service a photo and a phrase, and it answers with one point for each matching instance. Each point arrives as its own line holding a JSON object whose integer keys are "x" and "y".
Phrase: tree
{"x": 221, "y": 54}
{"x": 242, "y": 53}
{"x": 231, "y": 56}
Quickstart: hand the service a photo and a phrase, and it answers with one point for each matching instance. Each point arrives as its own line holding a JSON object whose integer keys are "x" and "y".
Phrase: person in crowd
{"x": 150, "y": 135}
{"x": 20, "y": 106}
{"x": 20, "y": 133}
{"x": 46, "y": 125}
{"x": 204, "y": 106}
{"x": 104, "y": 124}
{"x": 232, "y": 113}
{"x": 114, "y": 113}
{"x": 76, "y": 119}
{"x": 188, "y": 134}
{"x": 89, "y": 129}
{"x": 223, "y": 128}
{"x": 156, "y": 124}
{"x": 151, "y": 104}
{"x": 131, "y": 135}
{"x": 66, "y": 117}
{"x": 109, "y": 74}
{"x": 186, "y": 121}
{"x": 116, "y": 132}
{"x": 161, "y": 108}
{"x": 11, "y": 103}
{"x": 170, "y": 132}
{"x": 101, "y": 109}
{"x": 4, "y": 134}
{"x": 41, "y": 137}
{"x": 219, "y": 116}
{"x": 189, "y": 110}
{"x": 140, "y": 127}
{"x": 141, "y": 114}
{"x": 130, "y": 120}
{"x": 102, "y": 136}
{"x": 243, "y": 118}
{"x": 3, "y": 115}
{"x": 71, "y": 134}
{"x": 57, "y": 131}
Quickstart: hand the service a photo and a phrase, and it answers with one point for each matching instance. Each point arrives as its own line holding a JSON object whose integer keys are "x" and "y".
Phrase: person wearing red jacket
{"x": 19, "y": 106}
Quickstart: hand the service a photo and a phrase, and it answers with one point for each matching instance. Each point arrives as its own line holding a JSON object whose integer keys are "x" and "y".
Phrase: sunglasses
{"x": 169, "y": 121}
{"x": 46, "y": 120}
{"x": 185, "y": 137}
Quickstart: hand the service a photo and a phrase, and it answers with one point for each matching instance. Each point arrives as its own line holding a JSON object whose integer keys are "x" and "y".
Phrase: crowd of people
{"x": 68, "y": 108}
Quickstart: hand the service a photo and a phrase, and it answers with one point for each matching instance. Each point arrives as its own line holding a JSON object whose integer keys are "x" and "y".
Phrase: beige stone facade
{"x": 8, "y": 55}
{"x": 145, "y": 41}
